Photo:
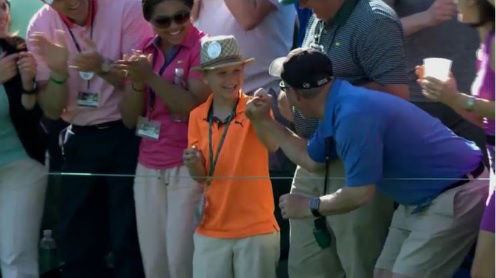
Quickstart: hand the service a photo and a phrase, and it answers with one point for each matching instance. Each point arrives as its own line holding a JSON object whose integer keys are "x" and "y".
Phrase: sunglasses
{"x": 283, "y": 86}
{"x": 165, "y": 21}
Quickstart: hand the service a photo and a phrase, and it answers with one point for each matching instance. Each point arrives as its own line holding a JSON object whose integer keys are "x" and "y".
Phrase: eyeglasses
{"x": 283, "y": 86}
{"x": 166, "y": 21}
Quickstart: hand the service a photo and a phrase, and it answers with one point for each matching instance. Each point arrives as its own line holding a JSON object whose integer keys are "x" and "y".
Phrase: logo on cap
{"x": 214, "y": 49}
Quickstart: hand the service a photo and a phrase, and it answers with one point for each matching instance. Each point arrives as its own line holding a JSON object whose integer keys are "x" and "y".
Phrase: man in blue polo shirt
{"x": 386, "y": 145}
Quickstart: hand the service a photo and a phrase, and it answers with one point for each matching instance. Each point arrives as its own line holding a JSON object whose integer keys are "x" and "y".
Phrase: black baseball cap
{"x": 303, "y": 68}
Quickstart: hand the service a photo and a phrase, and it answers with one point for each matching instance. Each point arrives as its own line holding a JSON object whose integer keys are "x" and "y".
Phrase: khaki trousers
{"x": 358, "y": 236}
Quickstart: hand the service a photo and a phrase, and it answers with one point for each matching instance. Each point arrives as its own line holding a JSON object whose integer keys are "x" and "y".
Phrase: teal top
{"x": 11, "y": 148}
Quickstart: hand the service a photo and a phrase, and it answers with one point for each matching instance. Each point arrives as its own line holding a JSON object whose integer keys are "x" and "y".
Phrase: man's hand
{"x": 441, "y": 11}
{"x": 54, "y": 54}
{"x": 8, "y": 67}
{"x": 89, "y": 60}
{"x": 295, "y": 205}
{"x": 27, "y": 69}
{"x": 258, "y": 108}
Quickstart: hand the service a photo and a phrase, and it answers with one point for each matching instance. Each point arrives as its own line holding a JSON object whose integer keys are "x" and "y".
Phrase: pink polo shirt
{"x": 118, "y": 26}
{"x": 168, "y": 150}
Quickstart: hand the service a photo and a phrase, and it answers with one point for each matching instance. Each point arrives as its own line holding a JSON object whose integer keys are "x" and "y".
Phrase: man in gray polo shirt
{"x": 364, "y": 39}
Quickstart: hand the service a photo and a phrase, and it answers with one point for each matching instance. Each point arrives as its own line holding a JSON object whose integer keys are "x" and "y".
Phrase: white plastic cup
{"x": 438, "y": 68}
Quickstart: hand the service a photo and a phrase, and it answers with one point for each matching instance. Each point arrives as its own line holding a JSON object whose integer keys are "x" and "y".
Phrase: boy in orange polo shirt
{"x": 238, "y": 235}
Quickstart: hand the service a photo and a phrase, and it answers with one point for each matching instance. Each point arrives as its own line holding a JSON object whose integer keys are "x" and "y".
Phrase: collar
{"x": 239, "y": 109}
{"x": 189, "y": 41}
{"x": 327, "y": 123}
{"x": 91, "y": 15}
{"x": 342, "y": 15}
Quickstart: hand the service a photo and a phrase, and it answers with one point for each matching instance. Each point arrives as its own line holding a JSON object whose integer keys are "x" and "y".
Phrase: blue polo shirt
{"x": 381, "y": 137}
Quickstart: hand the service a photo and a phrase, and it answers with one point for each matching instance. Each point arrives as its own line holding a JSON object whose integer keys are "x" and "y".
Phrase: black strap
{"x": 214, "y": 158}
{"x": 76, "y": 43}
{"x": 169, "y": 57}
{"x": 327, "y": 163}
{"x": 339, "y": 20}
{"x": 490, "y": 140}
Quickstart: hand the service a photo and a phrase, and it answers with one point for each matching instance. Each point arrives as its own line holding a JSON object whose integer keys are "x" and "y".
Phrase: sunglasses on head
{"x": 166, "y": 21}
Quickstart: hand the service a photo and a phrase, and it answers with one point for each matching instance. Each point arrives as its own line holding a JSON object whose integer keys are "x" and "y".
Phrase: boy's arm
{"x": 192, "y": 156}
{"x": 264, "y": 135}
{"x": 260, "y": 99}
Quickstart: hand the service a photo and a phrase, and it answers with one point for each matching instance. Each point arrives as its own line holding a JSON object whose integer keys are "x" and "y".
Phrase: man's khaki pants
{"x": 357, "y": 236}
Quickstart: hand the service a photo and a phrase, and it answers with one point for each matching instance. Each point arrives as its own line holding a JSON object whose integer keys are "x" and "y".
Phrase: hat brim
{"x": 221, "y": 65}
{"x": 277, "y": 66}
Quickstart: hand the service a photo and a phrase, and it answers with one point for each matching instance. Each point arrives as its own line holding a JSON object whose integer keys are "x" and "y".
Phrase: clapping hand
{"x": 138, "y": 67}
{"x": 27, "y": 69}
{"x": 54, "y": 53}
{"x": 89, "y": 60}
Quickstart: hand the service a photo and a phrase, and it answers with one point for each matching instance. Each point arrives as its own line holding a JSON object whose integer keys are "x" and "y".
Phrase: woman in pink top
{"x": 161, "y": 91}
{"x": 478, "y": 108}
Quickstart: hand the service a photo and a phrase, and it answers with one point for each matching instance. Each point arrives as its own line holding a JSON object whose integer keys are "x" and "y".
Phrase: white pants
{"x": 249, "y": 257}
{"x": 22, "y": 195}
{"x": 165, "y": 205}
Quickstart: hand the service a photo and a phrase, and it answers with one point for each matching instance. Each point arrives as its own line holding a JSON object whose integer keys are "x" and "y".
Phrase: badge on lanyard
{"x": 88, "y": 99}
{"x": 148, "y": 129}
{"x": 86, "y": 75}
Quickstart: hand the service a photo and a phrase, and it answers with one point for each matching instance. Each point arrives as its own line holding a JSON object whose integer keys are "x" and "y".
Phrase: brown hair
{"x": 149, "y": 6}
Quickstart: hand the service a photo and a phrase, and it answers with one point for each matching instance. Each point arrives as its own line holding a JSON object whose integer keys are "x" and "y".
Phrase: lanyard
{"x": 339, "y": 20}
{"x": 75, "y": 41}
{"x": 213, "y": 159}
{"x": 169, "y": 57}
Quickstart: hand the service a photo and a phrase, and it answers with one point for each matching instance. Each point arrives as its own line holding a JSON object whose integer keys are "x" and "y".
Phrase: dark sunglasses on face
{"x": 166, "y": 21}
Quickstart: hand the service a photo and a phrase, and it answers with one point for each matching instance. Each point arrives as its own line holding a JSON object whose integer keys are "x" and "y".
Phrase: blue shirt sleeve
{"x": 359, "y": 143}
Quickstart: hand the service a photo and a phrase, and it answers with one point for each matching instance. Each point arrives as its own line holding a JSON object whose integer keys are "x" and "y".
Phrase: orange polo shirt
{"x": 239, "y": 200}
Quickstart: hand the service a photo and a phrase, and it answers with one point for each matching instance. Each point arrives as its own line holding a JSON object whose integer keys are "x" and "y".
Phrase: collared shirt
{"x": 117, "y": 28}
{"x": 168, "y": 150}
{"x": 239, "y": 200}
{"x": 380, "y": 137}
{"x": 364, "y": 43}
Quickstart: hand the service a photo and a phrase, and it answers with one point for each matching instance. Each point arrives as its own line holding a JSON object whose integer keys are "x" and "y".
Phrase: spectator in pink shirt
{"x": 163, "y": 89}
{"x": 75, "y": 42}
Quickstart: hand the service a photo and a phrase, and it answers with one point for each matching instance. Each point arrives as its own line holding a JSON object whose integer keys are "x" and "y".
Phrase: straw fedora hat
{"x": 220, "y": 51}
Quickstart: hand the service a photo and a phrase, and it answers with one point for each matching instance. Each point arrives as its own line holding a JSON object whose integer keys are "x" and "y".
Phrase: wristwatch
{"x": 469, "y": 103}
{"x": 33, "y": 91}
{"x": 314, "y": 206}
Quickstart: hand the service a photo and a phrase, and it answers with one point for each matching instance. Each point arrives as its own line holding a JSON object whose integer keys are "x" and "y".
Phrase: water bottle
{"x": 48, "y": 252}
